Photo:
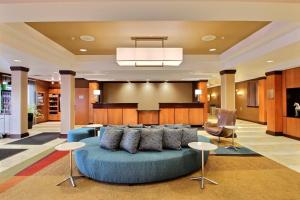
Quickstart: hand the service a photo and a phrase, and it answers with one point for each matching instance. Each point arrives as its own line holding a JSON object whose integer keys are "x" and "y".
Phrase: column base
{"x": 18, "y": 136}
{"x": 63, "y": 135}
{"x": 274, "y": 133}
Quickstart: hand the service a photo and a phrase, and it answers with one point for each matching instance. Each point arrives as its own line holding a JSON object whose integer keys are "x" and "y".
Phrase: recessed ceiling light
{"x": 269, "y": 61}
{"x": 208, "y": 38}
{"x": 83, "y": 50}
{"x": 73, "y": 38}
{"x": 87, "y": 38}
{"x": 16, "y": 60}
{"x": 212, "y": 49}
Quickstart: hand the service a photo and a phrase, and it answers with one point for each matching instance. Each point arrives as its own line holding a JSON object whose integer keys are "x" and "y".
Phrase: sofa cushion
{"x": 78, "y": 134}
{"x": 172, "y": 138}
{"x": 188, "y": 135}
{"x": 151, "y": 139}
{"x": 111, "y": 138}
{"x": 130, "y": 140}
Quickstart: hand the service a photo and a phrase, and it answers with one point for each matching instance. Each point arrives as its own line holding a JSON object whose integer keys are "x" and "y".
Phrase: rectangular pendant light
{"x": 150, "y": 57}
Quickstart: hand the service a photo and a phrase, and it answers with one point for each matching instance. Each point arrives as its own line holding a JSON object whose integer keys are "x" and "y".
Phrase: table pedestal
{"x": 232, "y": 146}
{"x": 202, "y": 178}
{"x": 70, "y": 177}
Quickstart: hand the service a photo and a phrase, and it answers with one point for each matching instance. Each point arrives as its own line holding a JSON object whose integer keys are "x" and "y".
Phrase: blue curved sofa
{"x": 78, "y": 134}
{"x": 143, "y": 167}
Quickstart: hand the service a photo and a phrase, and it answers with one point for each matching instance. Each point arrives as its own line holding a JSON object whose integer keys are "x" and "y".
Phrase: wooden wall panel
{"x": 292, "y": 78}
{"x": 92, "y": 99}
{"x": 293, "y": 127}
{"x": 244, "y": 111}
{"x": 115, "y": 116}
{"x": 181, "y": 116}
{"x": 130, "y": 116}
{"x": 148, "y": 117}
{"x": 196, "y": 116}
{"x": 274, "y": 103}
{"x": 166, "y": 116}
{"x": 100, "y": 116}
{"x": 262, "y": 96}
{"x": 81, "y": 106}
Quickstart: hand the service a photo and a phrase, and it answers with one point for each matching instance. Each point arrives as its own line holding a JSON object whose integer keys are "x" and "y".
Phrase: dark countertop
{"x": 181, "y": 105}
{"x": 115, "y": 105}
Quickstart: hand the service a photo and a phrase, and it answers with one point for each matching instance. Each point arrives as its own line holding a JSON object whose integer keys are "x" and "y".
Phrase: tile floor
{"x": 283, "y": 150}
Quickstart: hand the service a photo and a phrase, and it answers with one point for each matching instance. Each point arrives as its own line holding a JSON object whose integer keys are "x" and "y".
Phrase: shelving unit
{"x": 54, "y": 105}
{"x": 40, "y": 104}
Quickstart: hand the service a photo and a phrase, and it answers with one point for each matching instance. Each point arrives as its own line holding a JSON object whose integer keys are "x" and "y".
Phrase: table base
{"x": 233, "y": 147}
{"x": 71, "y": 179}
{"x": 202, "y": 179}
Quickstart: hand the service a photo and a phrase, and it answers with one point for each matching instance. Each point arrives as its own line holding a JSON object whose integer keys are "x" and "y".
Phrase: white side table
{"x": 96, "y": 127}
{"x": 203, "y": 146}
{"x": 233, "y": 128}
{"x": 70, "y": 146}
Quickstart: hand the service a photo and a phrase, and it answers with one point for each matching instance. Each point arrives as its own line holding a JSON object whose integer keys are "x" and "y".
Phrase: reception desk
{"x": 181, "y": 113}
{"x": 115, "y": 113}
{"x": 168, "y": 113}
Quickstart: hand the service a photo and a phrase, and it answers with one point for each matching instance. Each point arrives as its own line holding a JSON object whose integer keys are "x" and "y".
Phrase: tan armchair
{"x": 225, "y": 118}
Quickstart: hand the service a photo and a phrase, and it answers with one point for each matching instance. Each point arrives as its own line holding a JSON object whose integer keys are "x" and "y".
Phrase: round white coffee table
{"x": 96, "y": 127}
{"x": 70, "y": 146}
{"x": 232, "y": 146}
{"x": 203, "y": 146}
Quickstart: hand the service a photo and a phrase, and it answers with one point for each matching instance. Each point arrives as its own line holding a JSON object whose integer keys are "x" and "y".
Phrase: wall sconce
{"x": 198, "y": 92}
{"x": 97, "y": 94}
{"x": 213, "y": 95}
{"x": 239, "y": 92}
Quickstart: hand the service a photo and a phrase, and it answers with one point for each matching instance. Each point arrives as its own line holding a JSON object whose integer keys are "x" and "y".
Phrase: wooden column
{"x": 228, "y": 89}
{"x": 19, "y": 116}
{"x": 67, "y": 101}
{"x": 262, "y": 99}
{"x": 274, "y": 103}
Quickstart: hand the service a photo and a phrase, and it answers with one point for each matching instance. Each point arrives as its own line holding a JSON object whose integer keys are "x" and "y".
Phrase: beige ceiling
{"x": 110, "y": 35}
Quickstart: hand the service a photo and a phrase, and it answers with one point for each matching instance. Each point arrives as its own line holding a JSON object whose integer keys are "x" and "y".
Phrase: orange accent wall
{"x": 92, "y": 86}
{"x": 81, "y": 106}
{"x": 203, "y": 98}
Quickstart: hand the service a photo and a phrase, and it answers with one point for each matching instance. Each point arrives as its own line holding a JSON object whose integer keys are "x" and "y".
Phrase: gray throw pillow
{"x": 111, "y": 138}
{"x": 151, "y": 139}
{"x": 172, "y": 138}
{"x": 189, "y": 135}
{"x": 130, "y": 140}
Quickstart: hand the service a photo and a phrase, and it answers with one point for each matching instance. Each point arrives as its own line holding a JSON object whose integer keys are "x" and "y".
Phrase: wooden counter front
{"x": 115, "y": 113}
{"x": 181, "y": 113}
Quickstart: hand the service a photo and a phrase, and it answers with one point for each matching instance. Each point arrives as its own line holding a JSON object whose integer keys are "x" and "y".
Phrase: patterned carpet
{"x": 239, "y": 178}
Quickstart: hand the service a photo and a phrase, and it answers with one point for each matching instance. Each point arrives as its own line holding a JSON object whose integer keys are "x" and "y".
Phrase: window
{"x": 252, "y": 94}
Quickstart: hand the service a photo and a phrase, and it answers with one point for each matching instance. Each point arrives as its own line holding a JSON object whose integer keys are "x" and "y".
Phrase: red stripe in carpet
{"x": 44, "y": 162}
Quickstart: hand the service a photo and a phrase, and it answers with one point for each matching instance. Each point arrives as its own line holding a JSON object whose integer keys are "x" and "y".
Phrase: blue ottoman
{"x": 78, "y": 134}
{"x": 143, "y": 167}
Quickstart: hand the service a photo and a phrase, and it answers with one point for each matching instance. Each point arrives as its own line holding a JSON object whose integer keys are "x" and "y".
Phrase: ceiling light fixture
{"x": 208, "y": 38}
{"x": 149, "y": 57}
{"x": 212, "y": 49}
{"x": 87, "y": 38}
{"x": 17, "y": 60}
{"x": 83, "y": 50}
{"x": 269, "y": 61}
